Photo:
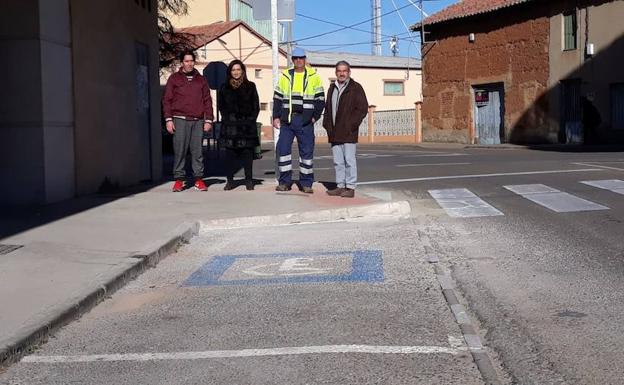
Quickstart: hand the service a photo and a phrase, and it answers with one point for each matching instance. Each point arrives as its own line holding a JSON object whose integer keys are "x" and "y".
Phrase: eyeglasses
{"x": 298, "y": 58}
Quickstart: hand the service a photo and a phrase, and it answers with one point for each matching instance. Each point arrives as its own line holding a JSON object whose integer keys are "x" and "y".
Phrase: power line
{"x": 405, "y": 25}
{"x": 345, "y": 27}
{"x": 333, "y": 46}
{"x": 342, "y": 25}
{"x": 344, "y": 44}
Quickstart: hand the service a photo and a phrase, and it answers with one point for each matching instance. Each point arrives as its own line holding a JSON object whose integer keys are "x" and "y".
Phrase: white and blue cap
{"x": 298, "y": 52}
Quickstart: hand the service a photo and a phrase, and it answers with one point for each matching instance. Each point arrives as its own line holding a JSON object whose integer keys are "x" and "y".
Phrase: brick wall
{"x": 510, "y": 47}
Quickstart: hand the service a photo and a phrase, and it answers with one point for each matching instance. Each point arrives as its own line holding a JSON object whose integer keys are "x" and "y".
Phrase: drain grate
{"x": 6, "y": 249}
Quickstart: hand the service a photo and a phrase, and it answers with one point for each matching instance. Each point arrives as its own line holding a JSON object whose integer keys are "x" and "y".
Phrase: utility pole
{"x": 290, "y": 42}
{"x": 376, "y": 27}
{"x": 275, "y": 47}
{"x": 423, "y": 40}
{"x": 275, "y": 41}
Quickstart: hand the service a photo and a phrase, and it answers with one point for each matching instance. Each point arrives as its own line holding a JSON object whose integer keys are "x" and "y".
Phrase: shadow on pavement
{"x": 17, "y": 219}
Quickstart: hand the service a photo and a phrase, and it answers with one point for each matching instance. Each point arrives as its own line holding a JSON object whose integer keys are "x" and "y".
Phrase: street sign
{"x": 262, "y": 10}
{"x": 482, "y": 98}
{"x": 215, "y": 73}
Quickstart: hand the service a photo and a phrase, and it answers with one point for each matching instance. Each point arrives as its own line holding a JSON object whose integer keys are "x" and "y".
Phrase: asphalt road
{"x": 544, "y": 280}
{"x": 226, "y": 308}
{"x": 543, "y": 273}
{"x": 535, "y": 245}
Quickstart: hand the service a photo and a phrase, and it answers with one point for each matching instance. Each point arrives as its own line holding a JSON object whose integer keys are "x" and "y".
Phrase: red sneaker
{"x": 178, "y": 186}
{"x": 200, "y": 185}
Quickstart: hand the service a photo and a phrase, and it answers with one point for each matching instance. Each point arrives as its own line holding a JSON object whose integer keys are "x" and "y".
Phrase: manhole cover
{"x": 6, "y": 249}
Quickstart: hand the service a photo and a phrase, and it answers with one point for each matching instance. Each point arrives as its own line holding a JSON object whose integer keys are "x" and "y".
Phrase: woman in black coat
{"x": 239, "y": 106}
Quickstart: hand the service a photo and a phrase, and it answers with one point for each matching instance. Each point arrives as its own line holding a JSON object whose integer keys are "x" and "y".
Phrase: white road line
{"x": 597, "y": 165}
{"x": 554, "y": 199}
{"x": 615, "y": 185}
{"x": 434, "y": 155}
{"x": 371, "y": 155}
{"x": 430, "y": 164}
{"x": 403, "y": 151}
{"x": 602, "y": 161}
{"x": 365, "y": 349}
{"x": 456, "y": 342}
{"x": 462, "y": 203}
{"x": 476, "y": 176}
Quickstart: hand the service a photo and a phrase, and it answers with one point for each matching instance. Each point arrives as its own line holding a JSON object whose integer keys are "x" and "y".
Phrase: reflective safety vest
{"x": 310, "y": 95}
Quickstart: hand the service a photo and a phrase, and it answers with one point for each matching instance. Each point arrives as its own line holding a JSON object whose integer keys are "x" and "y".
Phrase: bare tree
{"x": 172, "y": 42}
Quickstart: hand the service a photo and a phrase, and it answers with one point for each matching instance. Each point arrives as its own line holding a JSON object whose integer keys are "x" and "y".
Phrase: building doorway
{"x": 571, "y": 130}
{"x": 489, "y": 104}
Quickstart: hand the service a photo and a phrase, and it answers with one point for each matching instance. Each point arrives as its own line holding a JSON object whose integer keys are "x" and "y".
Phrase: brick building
{"x": 524, "y": 71}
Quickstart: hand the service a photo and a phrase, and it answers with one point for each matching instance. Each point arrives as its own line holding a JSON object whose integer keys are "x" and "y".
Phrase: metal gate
{"x": 571, "y": 123}
{"x": 488, "y": 106}
{"x": 617, "y": 106}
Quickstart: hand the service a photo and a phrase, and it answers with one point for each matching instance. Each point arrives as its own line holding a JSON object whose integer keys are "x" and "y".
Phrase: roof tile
{"x": 466, "y": 8}
{"x": 204, "y": 34}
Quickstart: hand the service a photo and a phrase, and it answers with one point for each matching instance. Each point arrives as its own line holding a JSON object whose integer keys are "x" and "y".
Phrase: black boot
{"x": 229, "y": 185}
{"x": 249, "y": 184}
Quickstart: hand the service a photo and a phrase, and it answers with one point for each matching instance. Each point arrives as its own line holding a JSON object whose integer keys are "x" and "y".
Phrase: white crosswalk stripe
{"x": 615, "y": 185}
{"x": 554, "y": 199}
{"x": 462, "y": 203}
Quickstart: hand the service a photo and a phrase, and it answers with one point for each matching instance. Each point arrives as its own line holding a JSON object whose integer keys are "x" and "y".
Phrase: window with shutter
{"x": 569, "y": 31}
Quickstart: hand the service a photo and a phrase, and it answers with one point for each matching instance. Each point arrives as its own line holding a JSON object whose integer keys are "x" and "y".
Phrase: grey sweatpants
{"x": 345, "y": 165}
{"x": 187, "y": 137}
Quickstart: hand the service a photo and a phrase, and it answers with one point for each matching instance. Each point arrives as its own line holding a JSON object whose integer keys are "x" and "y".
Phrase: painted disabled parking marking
{"x": 289, "y": 267}
{"x": 258, "y": 269}
{"x": 463, "y": 203}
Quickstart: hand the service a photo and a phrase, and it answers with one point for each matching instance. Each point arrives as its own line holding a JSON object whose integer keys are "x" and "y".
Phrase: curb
{"x": 469, "y": 331}
{"x": 399, "y": 209}
{"x": 145, "y": 259}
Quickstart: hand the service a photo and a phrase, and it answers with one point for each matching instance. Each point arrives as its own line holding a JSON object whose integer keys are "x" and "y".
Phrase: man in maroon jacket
{"x": 187, "y": 107}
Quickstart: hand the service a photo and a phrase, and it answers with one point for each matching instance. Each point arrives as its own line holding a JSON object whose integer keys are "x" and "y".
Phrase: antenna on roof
{"x": 394, "y": 45}
{"x": 376, "y": 27}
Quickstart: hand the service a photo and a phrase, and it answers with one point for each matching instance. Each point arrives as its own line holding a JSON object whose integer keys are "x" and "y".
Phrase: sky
{"x": 348, "y": 12}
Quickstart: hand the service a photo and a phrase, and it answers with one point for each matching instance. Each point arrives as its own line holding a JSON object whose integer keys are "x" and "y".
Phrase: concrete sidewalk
{"x": 74, "y": 254}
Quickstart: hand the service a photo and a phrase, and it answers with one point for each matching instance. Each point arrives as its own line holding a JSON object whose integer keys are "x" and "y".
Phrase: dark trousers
{"x": 237, "y": 156}
{"x": 188, "y": 136}
{"x": 305, "y": 140}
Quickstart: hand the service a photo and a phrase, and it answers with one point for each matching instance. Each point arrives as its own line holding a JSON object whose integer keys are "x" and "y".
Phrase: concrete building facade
{"x": 204, "y": 12}
{"x": 80, "y": 107}
{"x": 390, "y": 83}
{"x": 499, "y": 71}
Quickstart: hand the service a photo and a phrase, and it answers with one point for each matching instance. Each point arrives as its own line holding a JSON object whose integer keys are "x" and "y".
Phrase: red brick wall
{"x": 510, "y": 48}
